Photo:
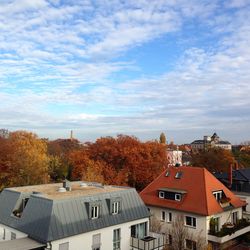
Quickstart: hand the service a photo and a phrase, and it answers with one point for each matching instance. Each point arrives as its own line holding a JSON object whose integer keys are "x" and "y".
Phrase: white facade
{"x": 174, "y": 157}
{"x": 85, "y": 241}
{"x": 8, "y": 233}
{"x": 202, "y": 222}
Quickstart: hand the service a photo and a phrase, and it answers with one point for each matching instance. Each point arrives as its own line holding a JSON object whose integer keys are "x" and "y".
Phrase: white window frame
{"x": 115, "y": 207}
{"x": 117, "y": 241}
{"x": 192, "y": 221}
{"x": 176, "y": 197}
{"x": 95, "y": 212}
{"x": 163, "y": 215}
{"x": 161, "y": 194}
{"x": 217, "y": 194}
{"x": 168, "y": 218}
{"x": 234, "y": 217}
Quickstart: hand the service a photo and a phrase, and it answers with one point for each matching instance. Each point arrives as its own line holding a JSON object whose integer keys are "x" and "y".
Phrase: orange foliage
{"x": 122, "y": 161}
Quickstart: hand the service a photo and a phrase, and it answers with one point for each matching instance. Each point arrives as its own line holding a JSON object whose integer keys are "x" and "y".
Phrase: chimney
{"x": 230, "y": 175}
{"x": 236, "y": 165}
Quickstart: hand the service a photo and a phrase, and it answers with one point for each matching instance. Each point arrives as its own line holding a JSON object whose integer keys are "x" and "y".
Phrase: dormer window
{"x": 161, "y": 194}
{"x": 115, "y": 207}
{"x": 177, "y": 197}
{"x": 94, "y": 212}
{"x": 217, "y": 195}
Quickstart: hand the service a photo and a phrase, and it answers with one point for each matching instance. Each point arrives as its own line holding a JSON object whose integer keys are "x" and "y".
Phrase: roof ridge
{"x": 205, "y": 187}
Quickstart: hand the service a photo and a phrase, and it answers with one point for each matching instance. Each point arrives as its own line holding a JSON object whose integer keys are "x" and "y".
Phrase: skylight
{"x": 178, "y": 175}
{"x": 167, "y": 173}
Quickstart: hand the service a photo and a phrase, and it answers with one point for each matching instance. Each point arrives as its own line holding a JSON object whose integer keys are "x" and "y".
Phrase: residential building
{"x": 210, "y": 142}
{"x": 77, "y": 215}
{"x": 205, "y": 204}
{"x": 174, "y": 157}
{"x": 238, "y": 180}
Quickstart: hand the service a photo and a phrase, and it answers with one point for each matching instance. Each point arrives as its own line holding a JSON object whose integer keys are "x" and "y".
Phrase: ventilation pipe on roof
{"x": 66, "y": 185}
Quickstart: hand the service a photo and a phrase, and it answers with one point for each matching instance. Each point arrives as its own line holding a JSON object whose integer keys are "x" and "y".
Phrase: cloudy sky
{"x": 139, "y": 67}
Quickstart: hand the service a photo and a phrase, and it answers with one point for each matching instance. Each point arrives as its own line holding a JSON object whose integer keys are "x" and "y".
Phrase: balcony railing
{"x": 230, "y": 231}
{"x": 150, "y": 242}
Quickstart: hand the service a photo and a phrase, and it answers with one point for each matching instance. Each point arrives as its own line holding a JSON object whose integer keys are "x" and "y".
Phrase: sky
{"x": 108, "y": 67}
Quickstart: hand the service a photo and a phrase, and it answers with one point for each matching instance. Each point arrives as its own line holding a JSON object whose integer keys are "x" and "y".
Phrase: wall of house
{"x": 5, "y": 233}
{"x": 245, "y": 197}
{"x": 84, "y": 241}
{"x": 225, "y": 217}
{"x": 202, "y": 222}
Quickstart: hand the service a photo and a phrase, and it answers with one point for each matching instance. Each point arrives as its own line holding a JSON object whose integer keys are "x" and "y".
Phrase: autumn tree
{"x": 59, "y": 151}
{"x": 24, "y": 160}
{"x": 122, "y": 161}
{"x": 214, "y": 159}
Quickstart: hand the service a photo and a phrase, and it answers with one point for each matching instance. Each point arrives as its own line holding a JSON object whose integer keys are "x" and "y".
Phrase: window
{"x": 177, "y": 197}
{"x": 94, "y": 212}
{"x": 13, "y": 236}
{"x": 139, "y": 230}
{"x": 178, "y": 175}
{"x": 161, "y": 194}
{"x": 190, "y": 244}
{"x": 169, "y": 217}
{"x": 64, "y": 246}
{"x": 234, "y": 217}
{"x": 163, "y": 215}
{"x": 190, "y": 221}
{"x": 116, "y": 239}
{"x": 170, "y": 239}
{"x": 115, "y": 207}
{"x": 96, "y": 242}
{"x": 217, "y": 195}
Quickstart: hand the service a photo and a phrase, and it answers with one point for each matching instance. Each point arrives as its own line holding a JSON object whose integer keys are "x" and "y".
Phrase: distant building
{"x": 174, "y": 157}
{"x": 75, "y": 216}
{"x": 205, "y": 204}
{"x": 210, "y": 142}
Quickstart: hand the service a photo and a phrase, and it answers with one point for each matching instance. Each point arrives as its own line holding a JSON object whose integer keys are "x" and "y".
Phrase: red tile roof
{"x": 199, "y": 185}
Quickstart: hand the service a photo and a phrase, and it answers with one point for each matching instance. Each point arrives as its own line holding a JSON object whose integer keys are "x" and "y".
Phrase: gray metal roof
{"x": 20, "y": 244}
{"x": 46, "y": 220}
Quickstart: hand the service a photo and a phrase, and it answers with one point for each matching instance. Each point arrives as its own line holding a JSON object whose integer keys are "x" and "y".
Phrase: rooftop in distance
{"x": 78, "y": 188}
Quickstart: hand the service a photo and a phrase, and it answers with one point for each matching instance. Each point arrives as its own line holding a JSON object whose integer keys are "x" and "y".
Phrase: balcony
{"x": 150, "y": 242}
{"x": 229, "y": 231}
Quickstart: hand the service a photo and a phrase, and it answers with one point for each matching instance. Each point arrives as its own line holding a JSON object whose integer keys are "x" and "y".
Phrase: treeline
{"x": 26, "y": 159}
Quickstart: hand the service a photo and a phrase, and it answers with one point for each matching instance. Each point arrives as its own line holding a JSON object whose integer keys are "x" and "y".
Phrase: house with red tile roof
{"x": 208, "y": 208}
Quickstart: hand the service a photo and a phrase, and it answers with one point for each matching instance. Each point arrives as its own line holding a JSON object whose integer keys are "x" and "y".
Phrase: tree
{"x": 215, "y": 159}
{"x": 59, "y": 151}
{"x": 163, "y": 139}
{"x": 24, "y": 159}
{"x": 124, "y": 160}
{"x": 180, "y": 234}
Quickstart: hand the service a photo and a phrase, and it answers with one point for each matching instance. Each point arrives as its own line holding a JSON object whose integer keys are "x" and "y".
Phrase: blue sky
{"x": 133, "y": 67}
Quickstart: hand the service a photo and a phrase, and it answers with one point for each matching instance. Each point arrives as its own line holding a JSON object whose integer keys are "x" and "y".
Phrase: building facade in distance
{"x": 210, "y": 142}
